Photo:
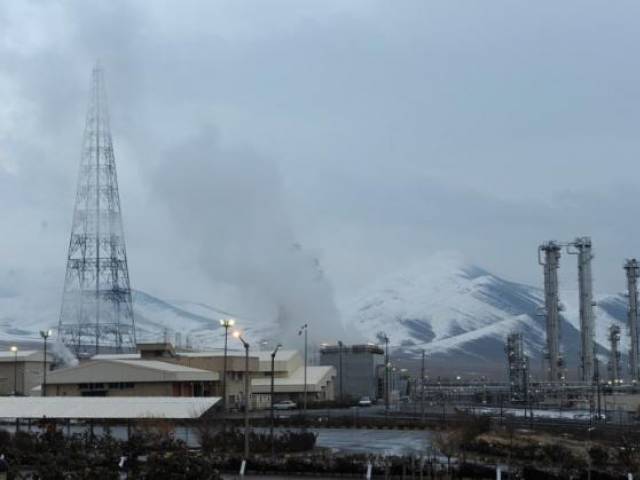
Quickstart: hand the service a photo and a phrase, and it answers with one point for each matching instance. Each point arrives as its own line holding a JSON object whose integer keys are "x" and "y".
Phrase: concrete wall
{"x": 359, "y": 372}
{"x": 29, "y": 375}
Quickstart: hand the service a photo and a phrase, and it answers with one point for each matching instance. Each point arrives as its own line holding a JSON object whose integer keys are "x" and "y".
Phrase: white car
{"x": 365, "y": 402}
{"x": 285, "y": 405}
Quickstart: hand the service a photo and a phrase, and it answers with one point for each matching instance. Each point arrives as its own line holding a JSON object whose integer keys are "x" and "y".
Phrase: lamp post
{"x": 247, "y": 394}
{"x": 304, "y": 329}
{"x": 226, "y": 323}
{"x": 340, "y": 365}
{"x": 14, "y": 349}
{"x": 386, "y": 373}
{"x": 273, "y": 363}
{"x": 45, "y": 334}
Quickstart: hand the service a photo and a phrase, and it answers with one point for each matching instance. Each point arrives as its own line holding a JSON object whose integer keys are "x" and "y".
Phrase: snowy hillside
{"x": 457, "y": 312}
{"x": 452, "y": 309}
{"x": 21, "y": 320}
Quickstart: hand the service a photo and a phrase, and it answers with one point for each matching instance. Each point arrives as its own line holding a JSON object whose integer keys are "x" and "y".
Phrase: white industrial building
{"x": 289, "y": 379}
{"x": 22, "y": 371}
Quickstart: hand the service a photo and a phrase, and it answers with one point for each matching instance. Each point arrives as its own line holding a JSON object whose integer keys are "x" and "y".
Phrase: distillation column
{"x": 518, "y": 364}
{"x": 582, "y": 248}
{"x": 614, "y": 355}
{"x": 550, "y": 263}
{"x": 632, "y": 268}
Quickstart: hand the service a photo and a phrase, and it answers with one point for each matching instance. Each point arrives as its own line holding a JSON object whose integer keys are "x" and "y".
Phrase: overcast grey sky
{"x": 372, "y": 133}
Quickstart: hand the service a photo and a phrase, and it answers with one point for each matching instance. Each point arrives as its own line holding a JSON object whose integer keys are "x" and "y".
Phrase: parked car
{"x": 285, "y": 405}
{"x": 365, "y": 402}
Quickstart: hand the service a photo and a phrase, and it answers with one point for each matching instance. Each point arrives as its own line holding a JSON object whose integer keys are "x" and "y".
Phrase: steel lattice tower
{"x": 97, "y": 309}
{"x": 632, "y": 268}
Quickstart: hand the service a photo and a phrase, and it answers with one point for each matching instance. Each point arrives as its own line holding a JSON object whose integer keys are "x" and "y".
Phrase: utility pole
{"x": 14, "y": 349}
{"x": 304, "y": 329}
{"x": 226, "y": 323}
{"x": 422, "y": 387}
{"x": 386, "y": 374}
{"x": 45, "y": 334}
{"x": 340, "y": 364}
{"x": 273, "y": 363}
{"x": 247, "y": 394}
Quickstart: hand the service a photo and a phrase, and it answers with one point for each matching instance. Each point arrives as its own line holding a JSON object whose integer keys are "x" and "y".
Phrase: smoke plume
{"x": 227, "y": 207}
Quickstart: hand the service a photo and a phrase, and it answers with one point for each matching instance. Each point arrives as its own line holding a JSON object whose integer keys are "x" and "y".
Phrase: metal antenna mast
{"x": 633, "y": 271}
{"x": 582, "y": 248}
{"x": 550, "y": 263}
{"x": 97, "y": 309}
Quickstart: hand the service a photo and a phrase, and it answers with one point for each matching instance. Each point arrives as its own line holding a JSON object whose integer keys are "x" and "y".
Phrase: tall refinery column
{"x": 550, "y": 263}
{"x": 615, "y": 375}
{"x": 582, "y": 248}
{"x": 632, "y": 268}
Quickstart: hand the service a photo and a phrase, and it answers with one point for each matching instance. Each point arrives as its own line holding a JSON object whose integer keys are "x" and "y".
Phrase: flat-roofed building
{"x": 22, "y": 371}
{"x": 212, "y": 361}
{"x": 358, "y": 369}
{"x": 289, "y": 379}
{"x": 131, "y": 378}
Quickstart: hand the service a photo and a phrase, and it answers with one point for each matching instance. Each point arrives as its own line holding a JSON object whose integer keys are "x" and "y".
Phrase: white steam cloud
{"x": 226, "y": 205}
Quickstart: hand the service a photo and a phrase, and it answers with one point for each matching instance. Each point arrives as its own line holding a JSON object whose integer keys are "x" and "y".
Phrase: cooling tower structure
{"x": 632, "y": 268}
{"x": 615, "y": 374}
{"x": 518, "y": 364}
{"x": 549, "y": 258}
{"x": 97, "y": 309}
{"x": 581, "y": 247}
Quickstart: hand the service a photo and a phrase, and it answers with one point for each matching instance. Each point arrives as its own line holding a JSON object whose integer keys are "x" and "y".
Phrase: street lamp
{"x": 45, "y": 334}
{"x": 387, "y": 364}
{"x": 340, "y": 365}
{"x": 238, "y": 335}
{"x": 226, "y": 323}
{"x": 273, "y": 363}
{"x": 14, "y": 349}
{"x": 304, "y": 329}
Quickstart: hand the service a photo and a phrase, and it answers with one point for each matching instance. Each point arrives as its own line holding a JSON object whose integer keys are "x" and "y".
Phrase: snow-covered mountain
{"x": 192, "y": 323}
{"x": 460, "y": 314}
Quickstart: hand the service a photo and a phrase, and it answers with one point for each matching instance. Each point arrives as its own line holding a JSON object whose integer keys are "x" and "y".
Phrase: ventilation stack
{"x": 551, "y": 251}
{"x": 581, "y": 247}
{"x": 518, "y": 368}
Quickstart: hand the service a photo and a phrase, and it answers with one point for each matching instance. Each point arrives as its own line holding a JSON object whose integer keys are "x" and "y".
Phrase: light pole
{"x": 45, "y": 334}
{"x": 273, "y": 363}
{"x": 226, "y": 323}
{"x": 247, "y": 394}
{"x": 386, "y": 373}
{"x": 422, "y": 388}
{"x": 14, "y": 349}
{"x": 304, "y": 329}
{"x": 340, "y": 364}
